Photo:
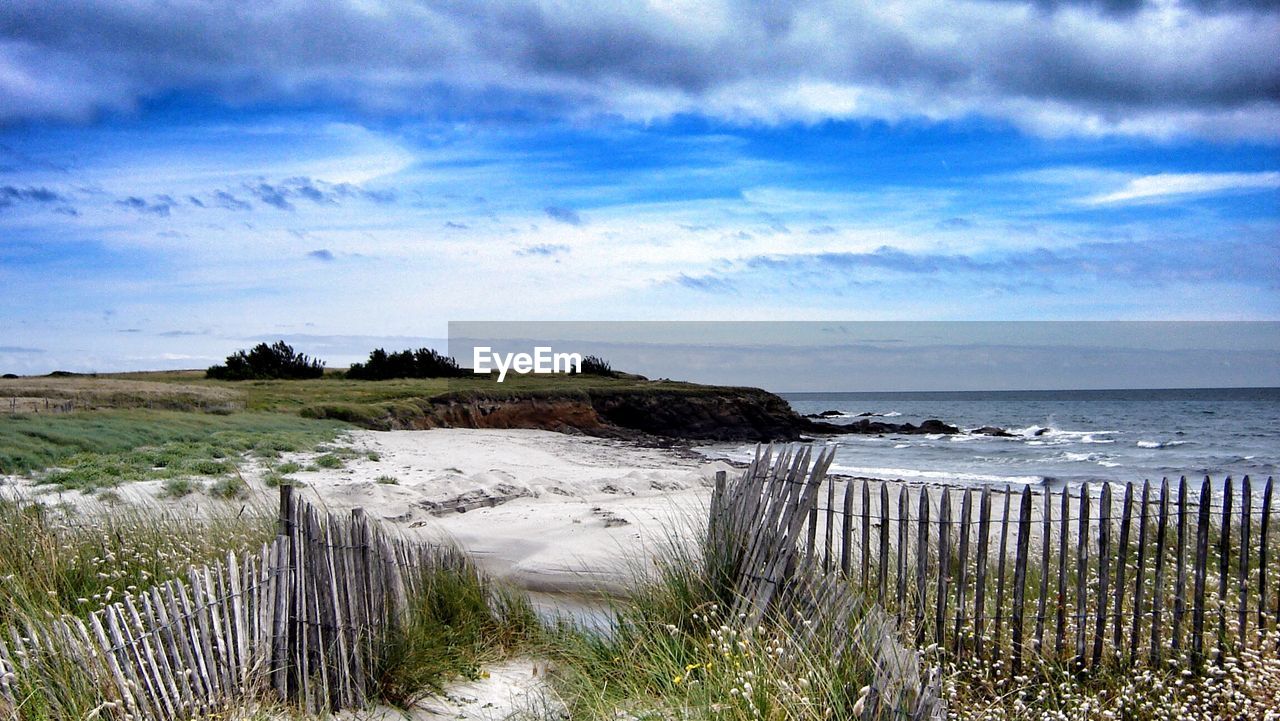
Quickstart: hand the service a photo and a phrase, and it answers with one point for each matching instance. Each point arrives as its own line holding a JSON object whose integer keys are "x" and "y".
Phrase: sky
{"x": 182, "y": 179}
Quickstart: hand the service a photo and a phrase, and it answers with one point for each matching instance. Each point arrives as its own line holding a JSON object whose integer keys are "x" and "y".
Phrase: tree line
{"x": 280, "y": 361}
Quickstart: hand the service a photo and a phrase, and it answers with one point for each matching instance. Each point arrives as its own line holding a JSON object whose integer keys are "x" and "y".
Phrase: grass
{"x": 458, "y": 621}
{"x": 101, "y": 449}
{"x": 674, "y": 651}
{"x": 58, "y": 562}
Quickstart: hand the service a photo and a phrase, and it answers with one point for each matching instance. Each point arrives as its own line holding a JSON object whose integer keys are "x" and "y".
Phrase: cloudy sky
{"x": 179, "y": 179}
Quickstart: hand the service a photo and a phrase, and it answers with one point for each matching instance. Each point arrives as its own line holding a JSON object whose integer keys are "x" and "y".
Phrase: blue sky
{"x": 178, "y": 180}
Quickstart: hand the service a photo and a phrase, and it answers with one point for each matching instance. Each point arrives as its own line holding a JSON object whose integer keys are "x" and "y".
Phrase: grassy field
{"x": 103, "y": 448}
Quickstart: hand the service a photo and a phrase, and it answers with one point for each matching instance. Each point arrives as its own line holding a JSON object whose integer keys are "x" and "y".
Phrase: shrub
{"x": 594, "y": 365}
{"x": 278, "y": 360}
{"x": 178, "y": 487}
{"x": 420, "y": 363}
{"x": 228, "y": 488}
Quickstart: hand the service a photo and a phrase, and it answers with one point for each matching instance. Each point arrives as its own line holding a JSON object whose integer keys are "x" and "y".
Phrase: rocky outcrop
{"x": 870, "y": 427}
{"x": 992, "y": 431}
{"x": 654, "y": 414}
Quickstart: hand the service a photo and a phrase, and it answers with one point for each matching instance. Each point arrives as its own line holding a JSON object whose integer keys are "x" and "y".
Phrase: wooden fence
{"x": 298, "y": 620}
{"x": 1132, "y": 574}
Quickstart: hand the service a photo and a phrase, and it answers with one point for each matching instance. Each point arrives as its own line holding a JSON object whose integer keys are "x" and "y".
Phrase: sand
{"x": 568, "y": 513}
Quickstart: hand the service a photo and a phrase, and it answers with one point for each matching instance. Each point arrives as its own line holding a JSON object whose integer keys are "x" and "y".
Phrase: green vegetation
{"x": 278, "y": 360}
{"x": 72, "y": 564}
{"x": 99, "y": 449}
{"x": 178, "y": 488}
{"x": 420, "y": 363}
{"x": 388, "y": 480}
{"x": 596, "y": 366}
{"x": 458, "y": 621}
{"x": 673, "y": 650}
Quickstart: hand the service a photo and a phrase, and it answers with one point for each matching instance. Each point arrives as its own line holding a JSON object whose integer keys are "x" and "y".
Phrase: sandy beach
{"x": 549, "y": 512}
{"x": 567, "y": 511}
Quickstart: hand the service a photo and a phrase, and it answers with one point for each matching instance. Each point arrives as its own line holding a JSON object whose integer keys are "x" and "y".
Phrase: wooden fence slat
{"x": 1246, "y": 521}
{"x": 1180, "y": 568}
{"x": 1064, "y": 528}
{"x": 922, "y": 561}
{"x": 846, "y": 531}
{"x": 998, "y": 644}
{"x": 1122, "y": 565}
{"x": 1224, "y": 569}
{"x": 866, "y": 533}
{"x": 980, "y": 581}
{"x": 830, "y": 534}
{"x": 1157, "y": 594}
{"x": 966, "y": 507}
{"x": 1263, "y": 556}
{"x": 1104, "y": 572}
{"x": 1020, "y": 576}
{"x": 882, "y": 578}
{"x": 904, "y": 526}
{"x": 1139, "y": 572}
{"x": 113, "y": 664}
{"x": 1046, "y": 530}
{"x": 944, "y": 566}
{"x": 162, "y": 689}
{"x": 1202, "y": 560}
{"x": 1082, "y": 572}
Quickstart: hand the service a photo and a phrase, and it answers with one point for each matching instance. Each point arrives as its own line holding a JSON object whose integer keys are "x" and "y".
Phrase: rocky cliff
{"x": 694, "y": 413}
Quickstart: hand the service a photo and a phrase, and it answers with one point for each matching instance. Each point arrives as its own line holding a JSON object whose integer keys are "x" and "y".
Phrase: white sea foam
{"x": 923, "y": 475}
{"x": 1161, "y": 444}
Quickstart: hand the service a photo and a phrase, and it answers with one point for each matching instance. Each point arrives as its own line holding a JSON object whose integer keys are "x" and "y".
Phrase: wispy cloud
{"x": 1165, "y": 187}
{"x": 562, "y": 214}
{"x": 545, "y": 250}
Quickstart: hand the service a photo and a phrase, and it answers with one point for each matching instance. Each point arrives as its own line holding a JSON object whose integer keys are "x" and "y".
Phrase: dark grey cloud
{"x": 1152, "y": 264}
{"x": 564, "y": 215}
{"x": 271, "y": 195}
{"x": 160, "y": 205}
{"x": 1106, "y": 64}
{"x": 12, "y": 195}
{"x": 545, "y": 250}
{"x": 284, "y": 194}
{"x": 456, "y": 226}
{"x": 322, "y": 254}
{"x": 223, "y": 199}
{"x": 706, "y": 283}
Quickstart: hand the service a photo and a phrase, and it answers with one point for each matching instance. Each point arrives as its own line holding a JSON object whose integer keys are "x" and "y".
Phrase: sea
{"x": 1059, "y": 438}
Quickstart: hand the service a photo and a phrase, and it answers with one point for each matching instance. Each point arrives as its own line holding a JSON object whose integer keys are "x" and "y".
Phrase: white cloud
{"x": 1166, "y": 187}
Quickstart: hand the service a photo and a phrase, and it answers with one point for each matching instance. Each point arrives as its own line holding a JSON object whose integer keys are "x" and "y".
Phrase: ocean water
{"x": 1060, "y": 437}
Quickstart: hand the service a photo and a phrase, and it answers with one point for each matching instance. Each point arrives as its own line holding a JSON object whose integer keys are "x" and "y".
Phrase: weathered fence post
{"x": 1157, "y": 596}
{"x": 1224, "y": 569}
{"x": 1202, "y": 559}
{"x": 1020, "y": 576}
{"x": 1104, "y": 557}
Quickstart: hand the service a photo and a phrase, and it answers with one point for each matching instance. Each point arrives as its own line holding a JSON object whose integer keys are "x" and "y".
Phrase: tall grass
{"x": 673, "y": 650}
{"x": 458, "y": 621}
{"x": 55, "y": 563}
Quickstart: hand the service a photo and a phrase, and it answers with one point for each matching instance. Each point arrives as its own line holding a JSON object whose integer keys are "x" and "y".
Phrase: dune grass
{"x": 458, "y": 621}
{"x": 100, "y": 449}
{"x": 673, "y": 650}
{"x": 60, "y": 562}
